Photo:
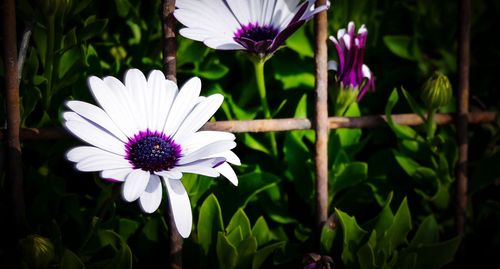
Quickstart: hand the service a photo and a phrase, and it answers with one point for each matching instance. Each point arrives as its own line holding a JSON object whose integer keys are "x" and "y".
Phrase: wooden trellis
{"x": 13, "y": 134}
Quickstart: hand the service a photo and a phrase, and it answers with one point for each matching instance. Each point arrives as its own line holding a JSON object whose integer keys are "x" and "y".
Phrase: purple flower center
{"x": 256, "y": 33}
{"x": 152, "y": 151}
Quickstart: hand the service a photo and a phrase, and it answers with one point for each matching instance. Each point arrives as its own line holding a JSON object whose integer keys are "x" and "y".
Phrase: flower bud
{"x": 37, "y": 251}
{"x": 436, "y": 91}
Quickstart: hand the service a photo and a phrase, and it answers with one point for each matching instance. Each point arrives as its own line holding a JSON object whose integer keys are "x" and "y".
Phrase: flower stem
{"x": 430, "y": 124}
{"x": 49, "y": 61}
{"x": 261, "y": 86}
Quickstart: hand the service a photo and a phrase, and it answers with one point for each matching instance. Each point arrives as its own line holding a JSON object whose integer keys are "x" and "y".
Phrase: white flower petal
{"x": 340, "y": 33}
{"x": 79, "y": 153}
{"x": 163, "y": 95}
{"x": 227, "y": 171}
{"x": 137, "y": 85}
{"x": 123, "y": 97}
{"x": 243, "y": 11}
{"x": 151, "y": 197}
{"x": 229, "y": 156}
{"x": 333, "y": 65}
{"x": 108, "y": 100}
{"x": 183, "y": 104}
{"x": 101, "y": 162}
{"x": 95, "y": 136}
{"x": 170, "y": 174}
{"x": 97, "y": 116}
{"x": 203, "y": 138}
{"x": 135, "y": 184}
{"x": 206, "y": 151}
{"x": 201, "y": 14}
{"x": 202, "y": 167}
{"x": 366, "y": 71}
{"x": 199, "y": 116}
{"x": 222, "y": 44}
{"x": 118, "y": 175}
{"x": 180, "y": 206}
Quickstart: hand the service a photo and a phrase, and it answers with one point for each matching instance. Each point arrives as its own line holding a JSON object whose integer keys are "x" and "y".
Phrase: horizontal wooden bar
{"x": 280, "y": 125}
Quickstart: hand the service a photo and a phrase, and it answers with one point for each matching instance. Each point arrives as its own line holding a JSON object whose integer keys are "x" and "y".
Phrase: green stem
{"x": 49, "y": 61}
{"x": 261, "y": 86}
{"x": 430, "y": 124}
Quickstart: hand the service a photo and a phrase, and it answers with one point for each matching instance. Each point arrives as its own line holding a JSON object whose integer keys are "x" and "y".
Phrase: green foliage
{"x": 387, "y": 244}
{"x": 269, "y": 219}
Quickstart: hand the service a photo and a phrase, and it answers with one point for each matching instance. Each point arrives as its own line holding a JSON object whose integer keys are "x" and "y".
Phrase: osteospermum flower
{"x": 351, "y": 71}
{"x": 258, "y": 26}
{"x": 145, "y": 134}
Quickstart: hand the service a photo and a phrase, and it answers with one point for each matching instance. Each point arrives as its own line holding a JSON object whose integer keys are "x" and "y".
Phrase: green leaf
{"x": 366, "y": 254}
{"x": 401, "y": 131}
{"x": 151, "y": 229}
{"x": 402, "y": 46}
{"x": 352, "y": 174}
{"x": 437, "y": 255}
{"x": 415, "y": 107}
{"x": 70, "y": 260}
{"x": 384, "y": 219}
{"x": 241, "y": 220}
{"x": 40, "y": 40}
{"x": 262, "y": 254}
{"x": 69, "y": 39}
{"x": 408, "y": 164}
{"x": 254, "y": 144}
{"x": 235, "y": 236}
{"x": 209, "y": 222}
{"x": 226, "y": 252}
{"x": 326, "y": 238}
{"x": 196, "y": 186}
{"x": 123, "y": 255}
{"x": 136, "y": 33}
{"x": 427, "y": 233}
{"x": 397, "y": 233}
{"x": 92, "y": 27}
{"x": 261, "y": 231}
{"x": 123, "y": 7}
{"x": 127, "y": 227}
{"x": 69, "y": 59}
{"x": 300, "y": 43}
{"x": 190, "y": 51}
{"x": 213, "y": 69}
{"x": 246, "y": 251}
{"x": 352, "y": 237}
{"x": 298, "y": 158}
{"x": 291, "y": 74}
{"x": 249, "y": 185}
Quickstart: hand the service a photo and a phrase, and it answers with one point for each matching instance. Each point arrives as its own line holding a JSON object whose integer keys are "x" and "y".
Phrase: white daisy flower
{"x": 146, "y": 133}
{"x": 258, "y": 26}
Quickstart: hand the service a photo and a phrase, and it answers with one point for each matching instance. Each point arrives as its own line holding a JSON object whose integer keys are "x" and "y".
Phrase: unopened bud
{"x": 436, "y": 91}
{"x": 37, "y": 251}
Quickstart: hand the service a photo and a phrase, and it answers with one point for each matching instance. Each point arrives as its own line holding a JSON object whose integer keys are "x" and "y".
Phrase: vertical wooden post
{"x": 169, "y": 45}
{"x": 321, "y": 116}
{"x": 169, "y": 69}
{"x": 462, "y": 120}
{"x": 14, "y": 162}
{"x": 463, "y": 111}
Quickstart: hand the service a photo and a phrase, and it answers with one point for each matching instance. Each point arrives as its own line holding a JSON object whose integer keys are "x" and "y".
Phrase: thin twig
{"x": 462, "y": 122}
{"x": 321, "y": 116}
{"x": 23, "y": 49}
{"x": 169, "y": 69}
{"x": 281, "y": 125}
